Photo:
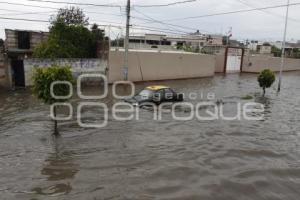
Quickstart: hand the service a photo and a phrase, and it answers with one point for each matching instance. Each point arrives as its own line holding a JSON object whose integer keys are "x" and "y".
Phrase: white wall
{"x": 79, "y": 66}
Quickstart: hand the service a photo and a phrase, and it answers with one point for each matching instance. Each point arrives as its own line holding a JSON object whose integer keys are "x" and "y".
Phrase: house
{"x": 265, "y": 48}
{"x": 19, "y": 44}
{"x": 258, "y": 47}
{"x": 292, "y": 49}
{"x": 252, "y": 45}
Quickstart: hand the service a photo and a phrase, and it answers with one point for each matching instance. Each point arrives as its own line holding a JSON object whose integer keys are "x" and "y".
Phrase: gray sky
{"x": 261, "y": 25}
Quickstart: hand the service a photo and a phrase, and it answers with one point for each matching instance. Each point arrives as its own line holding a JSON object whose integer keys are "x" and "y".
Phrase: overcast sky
{"x": 261, "y": 25}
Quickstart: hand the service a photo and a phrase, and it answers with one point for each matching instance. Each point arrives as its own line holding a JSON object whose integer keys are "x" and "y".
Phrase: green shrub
{"x": 265, "y": 79}
{"x": 42, "y": 80}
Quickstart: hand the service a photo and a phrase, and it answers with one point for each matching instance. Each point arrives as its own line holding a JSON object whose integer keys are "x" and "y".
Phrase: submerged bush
{"x": 42, "y": 80}
{"x": 265, "y": 79}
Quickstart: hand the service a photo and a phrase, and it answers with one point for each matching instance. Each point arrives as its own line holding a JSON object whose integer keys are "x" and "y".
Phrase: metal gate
{"x": 234, "y": 59}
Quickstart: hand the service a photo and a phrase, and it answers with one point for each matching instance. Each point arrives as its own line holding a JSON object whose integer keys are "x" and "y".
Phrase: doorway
{"x": 233, "y": 59}
{"x": 18, "y": 73}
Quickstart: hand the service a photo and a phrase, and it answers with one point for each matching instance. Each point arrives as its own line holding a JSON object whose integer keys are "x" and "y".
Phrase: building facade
{"x": 164, "y": 42}
{"x": 19, "y": 45}
{"x": 258, "y": 47}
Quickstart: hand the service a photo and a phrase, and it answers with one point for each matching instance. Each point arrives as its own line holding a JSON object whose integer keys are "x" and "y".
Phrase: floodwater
{"x": 150, "y": 159}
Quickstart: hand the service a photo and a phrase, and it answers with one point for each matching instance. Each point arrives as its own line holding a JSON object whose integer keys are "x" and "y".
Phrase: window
{"x": 164, "y": 42}
{"x": 169, "y": 94}
{"x": 23, "y": 40}
{"x": 136, "y": 41}
{"x": 159, "y": 96}
{"x": 146, "y": 94}
{"x": 152, "y": 42}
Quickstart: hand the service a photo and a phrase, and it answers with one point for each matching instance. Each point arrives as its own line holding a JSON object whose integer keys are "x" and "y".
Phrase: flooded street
{"x": 148, "y": 159}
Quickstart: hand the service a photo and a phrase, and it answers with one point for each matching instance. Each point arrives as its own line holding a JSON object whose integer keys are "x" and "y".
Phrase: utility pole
{"x": 283, "y": 45}
{"x": 126, "y": 62}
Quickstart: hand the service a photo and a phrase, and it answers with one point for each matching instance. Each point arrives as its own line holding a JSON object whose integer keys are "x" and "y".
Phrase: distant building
{"x": 252, "y": 45}
{"x": 213, "y": 49}
{"x": 236, "y": 43}
{"x": 19, "y": 44}
{"x": 258, "y": 47}
{"x": 164, "y": 42}
{"x": 292, "y": 49}
{"x": 265, "y": 48}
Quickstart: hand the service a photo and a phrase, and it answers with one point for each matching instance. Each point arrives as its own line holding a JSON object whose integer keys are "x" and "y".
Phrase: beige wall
{"x": 151, "y": 65}
{"x": 220, "y": 60}
{"x": 2, "y": 69}
{"x": 257, "y": 63}
{"x": 4, "y": 73}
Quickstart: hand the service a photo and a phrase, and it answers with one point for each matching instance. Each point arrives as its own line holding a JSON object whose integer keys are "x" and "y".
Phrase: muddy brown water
{"x": 148, "y": 159}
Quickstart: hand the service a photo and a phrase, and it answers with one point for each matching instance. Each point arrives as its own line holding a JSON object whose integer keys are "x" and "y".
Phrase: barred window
{"x": 23, "y": 40}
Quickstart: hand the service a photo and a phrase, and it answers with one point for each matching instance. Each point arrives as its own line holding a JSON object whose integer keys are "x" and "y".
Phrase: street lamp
{"x": 283, "y": 45}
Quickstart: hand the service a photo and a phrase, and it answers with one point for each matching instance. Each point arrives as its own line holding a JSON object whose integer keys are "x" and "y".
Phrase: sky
{"x": 264, "y": 25}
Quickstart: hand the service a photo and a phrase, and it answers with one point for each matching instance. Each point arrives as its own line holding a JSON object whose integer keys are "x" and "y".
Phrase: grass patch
{"x": 247, "y": 97}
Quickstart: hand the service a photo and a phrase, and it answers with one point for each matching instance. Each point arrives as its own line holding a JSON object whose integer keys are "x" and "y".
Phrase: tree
{"x": 276, "y": 51}
{"x": 42, "y": 80}
{"x": 118, "y": 42}
{"x": 69, "y": 37}
{"x": 265, "y": 79}
{"x": 97, "y": 32}
{"x": 70, "y": 16}
{"x": 67, "y": 42}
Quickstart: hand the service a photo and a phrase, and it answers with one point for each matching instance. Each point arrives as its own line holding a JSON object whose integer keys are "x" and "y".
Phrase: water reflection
{"x": 59, "y": 169}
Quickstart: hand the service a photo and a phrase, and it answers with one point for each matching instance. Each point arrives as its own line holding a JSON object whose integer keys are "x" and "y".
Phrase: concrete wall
{"x": 220, "y": 61}
{"x": 257, "y": 63}
{"x": 79, "y": 66}
{"x": 153, "y": 65}
{"x": 2, "y": 69}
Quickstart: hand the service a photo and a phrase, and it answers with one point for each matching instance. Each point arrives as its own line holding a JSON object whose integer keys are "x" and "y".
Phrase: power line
{"x": 155, "y": 20}
{"x": 46, "y": 21}
{"x": 231, "y": 12}
{"x": 21, "y": 4}
{"x": 138, "y": 27}
{"x": 34, "y": 6}
{"x": 19, "y": 19}
{"x": 78, "y": 4}
{"x": 165, "y": 5}
{"x": 166, "y": 29}
{"x": 113, "y": 5}
{"x": 16, "y": 12}
{"x": 150, "y": 19}
{"x": 144, "y": 19}
{"x": 267, "y": 12}
{"x": 155, "y": 30}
